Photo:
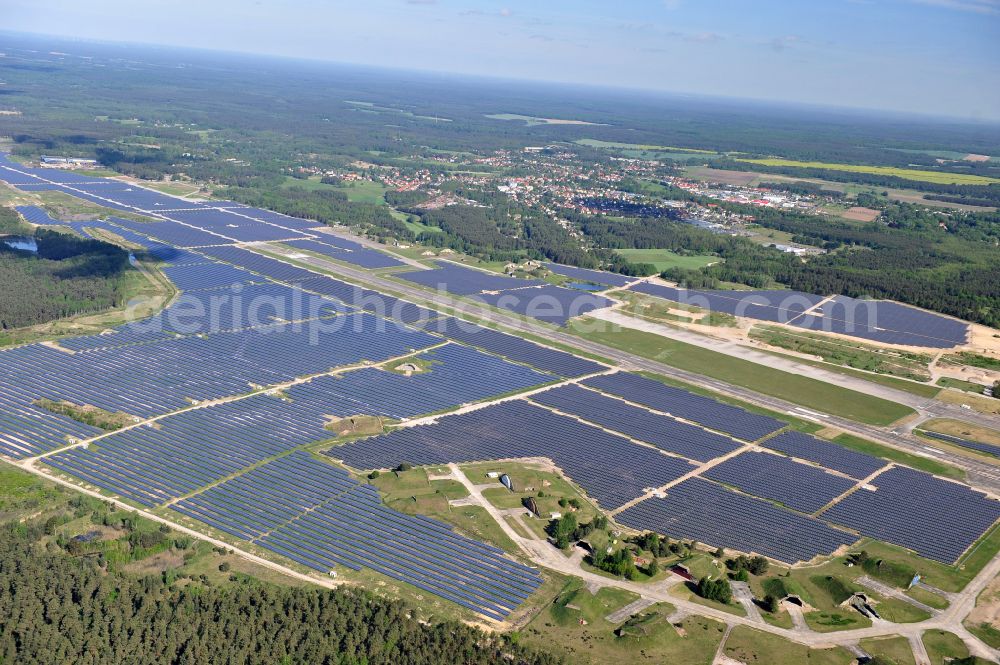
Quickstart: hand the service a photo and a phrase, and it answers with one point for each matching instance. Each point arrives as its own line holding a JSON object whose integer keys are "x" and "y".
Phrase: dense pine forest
{"x": 72, "y": 600}
{"x": 67, "y": 276}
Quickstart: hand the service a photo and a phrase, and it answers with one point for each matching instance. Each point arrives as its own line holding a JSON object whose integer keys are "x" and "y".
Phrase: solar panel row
{"x": 456, "y": 375}
{"x": 935, "y": 518}
{"x": 515, "y": 348}
{"x": 799, "y": 486}
{"x": 683, "y": 404}
{"x": 701, "y": 510}
{"x": 665, "y": 433}
{"x": 320, "y": 517}
{"x": 826, "y": 454}
{"x": 595, "y": 276}
{"x": 965, "y": 443}
{"x": 610, "y": 468}
{"x": 878, "y": 320}
{"x": 151, "y": 465}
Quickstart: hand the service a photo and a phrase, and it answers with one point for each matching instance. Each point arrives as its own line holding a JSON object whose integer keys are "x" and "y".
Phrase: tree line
{"x": 59, "y": 608}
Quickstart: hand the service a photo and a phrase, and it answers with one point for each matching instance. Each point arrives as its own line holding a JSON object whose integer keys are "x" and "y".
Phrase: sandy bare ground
{"x": 859, "y": 214}
{"x": 987, "y": 607}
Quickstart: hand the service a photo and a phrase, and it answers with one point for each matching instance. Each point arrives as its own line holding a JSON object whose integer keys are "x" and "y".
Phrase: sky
{"x": 939, "y": 57}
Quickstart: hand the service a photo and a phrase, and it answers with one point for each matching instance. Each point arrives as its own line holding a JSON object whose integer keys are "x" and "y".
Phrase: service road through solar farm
{"x": 264, "y": 403}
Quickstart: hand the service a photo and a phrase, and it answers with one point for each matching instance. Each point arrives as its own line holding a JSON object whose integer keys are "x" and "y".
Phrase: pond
{"x": 25, "y": 243}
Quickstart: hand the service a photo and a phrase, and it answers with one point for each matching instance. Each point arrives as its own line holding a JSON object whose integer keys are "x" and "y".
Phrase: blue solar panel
{"x": 552, "y": 304}
{"x": 935, "y": 518}
{"x": 515, "y": 348}
{"x": 683, "y": 404}
{"x": 887, "y": 322}
{"x": 663, "y": 432}
{"x": 830, "y": 455}
{"x": 465, "y": 281}
{"x": 965, "y": 443}
{"x": 878, "y": 320}
{"x": 347, "y": 251}
{"x": 776, "y": 306}
{"x": 703, "y": 511}
{"x": 610, "y": 468}
{"x": 799, "y": 486}
{"x": 319, "y": 516}
{"x": 456, "y": 375}
{"x": 595, "y": 276}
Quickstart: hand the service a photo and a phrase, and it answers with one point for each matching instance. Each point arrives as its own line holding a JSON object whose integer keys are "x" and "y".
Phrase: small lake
{"x": 584, "y": 286}
{"x": 25, "y": 243}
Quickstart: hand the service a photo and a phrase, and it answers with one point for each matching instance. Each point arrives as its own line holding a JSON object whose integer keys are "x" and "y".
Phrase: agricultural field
{"x": 663, "y": 259}
{"x": 940, "y": 177}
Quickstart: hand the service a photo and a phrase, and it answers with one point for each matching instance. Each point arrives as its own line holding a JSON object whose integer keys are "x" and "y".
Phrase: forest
{"x": 75, "y": 600}
{"x": 247, "y": 126}
{"x": 67, "y": 276}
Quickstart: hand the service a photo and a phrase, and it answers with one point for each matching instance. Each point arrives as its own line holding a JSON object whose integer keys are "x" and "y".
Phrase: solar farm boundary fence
{"x": 265, "y": 390}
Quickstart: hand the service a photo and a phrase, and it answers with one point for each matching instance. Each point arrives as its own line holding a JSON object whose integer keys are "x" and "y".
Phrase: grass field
{"x": 896, "y": 649}
{"x": 801, "y": 390}
{"x": 753, "y": 646}
{"x": 903, "y": 457}
{"x": 939, "y": 177}
{"x": 661, "y": 259}
{"x": 574, "y": 626}
{"x": 959, "y": 384}
{"x": 848, "y": 353}
{"x": 963, "y": 430}
{"x": 942, "y": 646}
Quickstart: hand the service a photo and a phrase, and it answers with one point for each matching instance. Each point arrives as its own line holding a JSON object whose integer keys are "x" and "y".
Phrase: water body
{"x": 24, "y": 243}
{"x": 584, "y": 286}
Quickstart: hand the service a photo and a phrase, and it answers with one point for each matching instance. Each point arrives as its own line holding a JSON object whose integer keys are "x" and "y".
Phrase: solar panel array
{"x": 683, "y": 404}
{"x": 182, "y": 223}
{"x": 777, "y": 306}
{"x": 457, "y": 375}
{"x": 317, "y": 515}
{"x": 887, "y": 322}
{"x": 529, "y": 297}
{"x": 463, "y": 281}
{"x": 36, "y": 215}
{"x": 610, "y": 468}
{"x": 552, "y": 304}
{"x": 878, "y": 320}
{"x": 965, "y": 443}
{"x": 595, "y": 276}
{"x": 191, "y": 277}
{"x": 935, "y": 518}
{"x": 152, "y": 375}
{"x": 153, "y": 464}
{"x": 380, "y": 304}
{"x": 515, "y": 348}
{"x": 347, "y": 251}
{"x": 799, "y": 486}
{"x": 663, "y": 432}
{"x": 826, "y": 454}
{"x": 700, "y": 510}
